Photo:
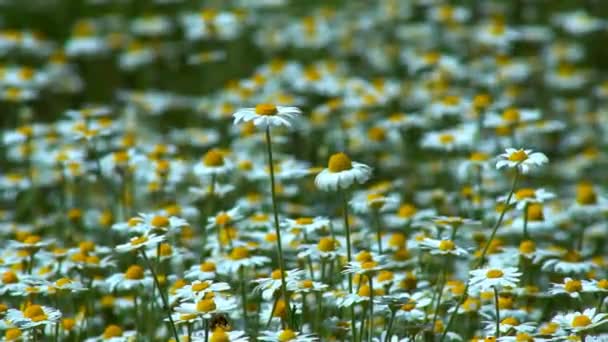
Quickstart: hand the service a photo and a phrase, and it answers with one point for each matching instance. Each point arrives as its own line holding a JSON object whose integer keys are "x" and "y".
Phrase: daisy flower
{"x": 521, "y": 159}
{"x": 208, "y": 306}
{"x": 268, "y": 286}
{"x": 114, "y": 333}
{"x": 286, "y": 335}
{"x": 213, "y": 163}
{"x": 441, "y": 247}
{"x": 526, "y": 196}
{"x": 579, "y": 322}
{"x": 220, "y": 335}
{"x": 133, "y": 277}
{"x": 571, "y": 287}
{"x": 341, "y": 173}
{"x": 486, "y": 279}
{"x": 140, "y": 242}
{"x": 33, "y": 316}
{"x": 267, "y": 115}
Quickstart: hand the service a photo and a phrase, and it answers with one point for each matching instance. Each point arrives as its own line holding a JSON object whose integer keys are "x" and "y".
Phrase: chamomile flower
{"x": 341, "y": 173}
{"x": 441, "y": 247}
{"x": 488, "y": 278}
{"x": 140, "y": 242}
{"x": 521, "y": 159}
{"x": 33, "y": 316}
{"x": 287, "y": 335}
{"x": 268, "y": 115}
{"x": 579, "y": 322}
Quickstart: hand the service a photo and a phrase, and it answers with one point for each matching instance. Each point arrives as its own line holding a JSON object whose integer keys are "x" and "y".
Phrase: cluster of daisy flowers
{"x": 379, "y": 171}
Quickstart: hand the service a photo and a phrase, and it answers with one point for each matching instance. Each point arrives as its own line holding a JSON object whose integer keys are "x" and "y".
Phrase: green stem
{"x": 483, "y": 253}
{"x": 497, "y": 313}
{"x": 526, "y": 236}
{"x": 349, "y": 258}
{"x": 371, "y": 308}
{"x": 243, "y": 295}
{"x": 390, "y": 325}
{"x": 162, "y": 295}
{"x": 276, "y": 225}
{"x": 378, "y": 224}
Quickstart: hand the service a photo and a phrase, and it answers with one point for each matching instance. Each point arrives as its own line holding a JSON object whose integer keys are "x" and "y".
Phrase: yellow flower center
{"x": 205, "y": 305}
{"x": 134, "y": 272}
{"x": 523, "y": 337}
{"x": 223, "y": 219}
{"x": 219, "y": 335}
{"x": 68, "y": 323}
{"x": 326, "y": 244}
{"x": 494, "y": 273}
{"x": 166, "y": 249}
{"x": 481, "y": 101}
{"x": 139, "y": 240}
{"x": 364, "y": 256}
{"x": 62, "y": 282}
{"x": 406, "y": 211}
{"x": 304, "y": 220}
{"x": 510, "y": 321}
{"x": 339, "y": 162}
{"x": 603, "y": 284}
{"x": 397, "y": 240}
{"x": 549, "y": 328}
{"x": 518, "y": 156}
{"x": 585, "y": 194}
{"x": 112, "y": 330}
{"x": 32, "y": 239}
{"x": 266, "y": 109}
{"x": 446, "y": 138}
{"x": 200, "y": 286}
{"x": 307, "y": 284}
{"x": 369, "y": 265}
{"x": 580, "y": 321}
{"x": 573, "y": 286}
{"x": 510, "y": 115}
{"x": 276, "y": 274}
{"x": 34, "y": 313}
{"x": 527, "y": 246}
{"x": 207, "y": 266}
{"x": 376, "y": 134}
{"x": 364, "y": 291}
{"x": 286, "y": 335}
{"x": 525, "y": 193}
{"x": 446, "y": 245}
{"x": 9, "y": 277}
{"x": 535, "y": 212}
{"x": 12, "y": 334}
{"x": 213, "y": 158}
{"x": 471, "y": 304}
{"x": 239, "y": 253}
{"x": 572, "y": 256}
{"x": 409, "y": 306}
{"x": 159, "y": 221}
{"x": 478, "y": 156}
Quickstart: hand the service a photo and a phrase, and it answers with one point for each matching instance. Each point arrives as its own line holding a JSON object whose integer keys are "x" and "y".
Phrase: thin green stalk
{"x": 371, "y": 308}
{"x": 390, "y": 325}
{"x": 243, "y": 295}
{"x": 526, "y": 236}
{"x": 378, "y": 224}
{"x": 162, "y": 295}
{"x": 497, "y": 306}
{"x": 483, "y": 253}
{"x": 276, "y": 225}
{"x": 349, "y": 258}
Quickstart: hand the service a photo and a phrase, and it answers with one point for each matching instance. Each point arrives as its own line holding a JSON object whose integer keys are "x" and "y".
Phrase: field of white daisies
{"x": 303, "y": 170}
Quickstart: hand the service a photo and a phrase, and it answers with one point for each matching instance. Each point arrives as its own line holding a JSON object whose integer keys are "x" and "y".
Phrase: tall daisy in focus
{"x": 267, "y": 115}
{"x": 340, "y": 174}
